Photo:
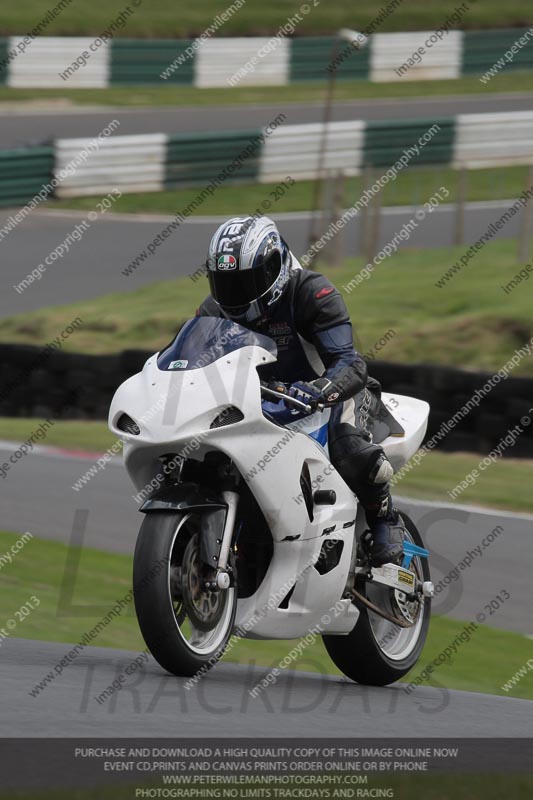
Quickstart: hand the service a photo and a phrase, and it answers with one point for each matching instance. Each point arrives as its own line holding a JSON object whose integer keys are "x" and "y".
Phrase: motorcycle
{"x": 249, "y": 530}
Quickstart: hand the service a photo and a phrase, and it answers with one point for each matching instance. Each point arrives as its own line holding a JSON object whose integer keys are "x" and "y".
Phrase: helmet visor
{"x": 238, "y": 288}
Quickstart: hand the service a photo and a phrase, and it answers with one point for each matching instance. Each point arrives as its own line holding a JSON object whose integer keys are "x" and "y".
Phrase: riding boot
{"x": 387, "y": 531}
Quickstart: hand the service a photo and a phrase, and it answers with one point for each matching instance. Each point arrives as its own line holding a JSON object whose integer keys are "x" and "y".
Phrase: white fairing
{"x": 412, "y": 414}
{"x": 174, "y": 410}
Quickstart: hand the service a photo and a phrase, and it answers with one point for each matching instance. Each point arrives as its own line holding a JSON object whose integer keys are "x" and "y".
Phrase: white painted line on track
{"x": 487, "y": 511}
{"x": 390, "y": 211}
{"x": 58, "y": 452}
{"x": 18, "y": 108}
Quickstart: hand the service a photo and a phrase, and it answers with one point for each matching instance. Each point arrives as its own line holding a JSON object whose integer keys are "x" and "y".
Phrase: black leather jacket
{"x": 313, "y": 333}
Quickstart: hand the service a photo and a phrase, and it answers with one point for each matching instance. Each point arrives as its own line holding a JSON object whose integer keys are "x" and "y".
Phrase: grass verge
{"x": 412, "y": 187}
{"x": 301, "y": 92}
{"x": 159, "y": 18}
{"x": 503, "y": 485}
{"x": 483, "y": 664}
{"x": 94, "y": 437}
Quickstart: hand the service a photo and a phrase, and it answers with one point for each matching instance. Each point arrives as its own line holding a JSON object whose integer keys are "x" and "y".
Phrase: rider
{"x": 256, "y": 281}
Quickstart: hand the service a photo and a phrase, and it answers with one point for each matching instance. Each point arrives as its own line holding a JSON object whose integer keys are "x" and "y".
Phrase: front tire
{"x": 378, "y": 652}
{"x": 185, "y": 628}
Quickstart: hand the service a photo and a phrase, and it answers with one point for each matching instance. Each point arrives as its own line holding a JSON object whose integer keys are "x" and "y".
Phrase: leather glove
{"x": 320, "y": 391}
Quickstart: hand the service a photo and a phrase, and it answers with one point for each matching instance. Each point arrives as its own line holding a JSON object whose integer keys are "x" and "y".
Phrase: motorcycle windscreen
{"x": 203, "y": 340}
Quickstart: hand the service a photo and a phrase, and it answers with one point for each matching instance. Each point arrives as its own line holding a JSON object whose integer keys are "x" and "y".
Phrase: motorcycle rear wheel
{"x": 378, "y": 652}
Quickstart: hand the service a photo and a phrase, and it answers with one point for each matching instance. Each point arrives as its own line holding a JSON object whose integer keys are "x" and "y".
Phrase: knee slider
{"x": 382, "y": 471}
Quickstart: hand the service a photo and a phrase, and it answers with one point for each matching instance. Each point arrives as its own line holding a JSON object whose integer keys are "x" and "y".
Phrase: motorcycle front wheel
{"x": 378, "y": 652}
{"x": 185, "y": 627}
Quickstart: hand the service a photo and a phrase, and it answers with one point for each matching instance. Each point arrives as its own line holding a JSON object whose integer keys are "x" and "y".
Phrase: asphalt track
{"x": 20, "y": 126}
{"x": 153, "y": 703}
{"x": 93, "y": 266}
{"x": 37, "y": 496}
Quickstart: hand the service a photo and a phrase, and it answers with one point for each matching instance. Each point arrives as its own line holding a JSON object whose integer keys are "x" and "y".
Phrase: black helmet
{"x": 248, "y": 267}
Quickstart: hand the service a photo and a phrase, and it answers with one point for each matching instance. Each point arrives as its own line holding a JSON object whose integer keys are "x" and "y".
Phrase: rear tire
{"x": 185, "y": 629}
{"x": 375, "y": 653}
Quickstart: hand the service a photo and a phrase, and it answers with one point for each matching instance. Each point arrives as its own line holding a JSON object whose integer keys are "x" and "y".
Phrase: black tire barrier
{"x": 39, "y": 383}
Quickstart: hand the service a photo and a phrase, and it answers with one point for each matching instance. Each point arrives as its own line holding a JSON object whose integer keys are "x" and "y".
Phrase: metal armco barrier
{"x": 23, "y": 174}
{"x": 154, "y": 162}
{"x": 259, "y": 61}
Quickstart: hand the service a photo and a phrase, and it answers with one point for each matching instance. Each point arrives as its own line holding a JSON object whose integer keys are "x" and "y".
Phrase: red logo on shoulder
{"x": 324, "y": 292}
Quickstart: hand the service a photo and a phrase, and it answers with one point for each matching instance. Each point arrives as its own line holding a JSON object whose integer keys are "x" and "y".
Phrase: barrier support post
{"x": 460, "y": 205}
{"x": 524, "y": 249}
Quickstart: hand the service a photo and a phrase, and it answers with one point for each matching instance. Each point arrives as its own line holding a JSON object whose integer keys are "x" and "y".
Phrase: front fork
{"x": 222, "y": 576}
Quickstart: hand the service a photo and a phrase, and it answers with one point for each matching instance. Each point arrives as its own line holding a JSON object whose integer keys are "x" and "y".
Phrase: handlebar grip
{"x": 288, "y": 399}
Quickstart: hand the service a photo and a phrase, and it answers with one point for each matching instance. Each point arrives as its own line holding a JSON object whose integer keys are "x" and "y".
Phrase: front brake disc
{"x": 204, "y": 608}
